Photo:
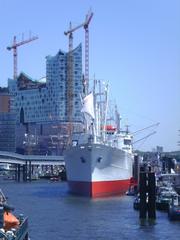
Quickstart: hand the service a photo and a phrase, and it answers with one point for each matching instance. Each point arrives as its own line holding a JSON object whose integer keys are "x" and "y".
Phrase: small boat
{"x": 11, "y": 227}
{"x": 174, "y": 209}
{"x": 164, "y": 200}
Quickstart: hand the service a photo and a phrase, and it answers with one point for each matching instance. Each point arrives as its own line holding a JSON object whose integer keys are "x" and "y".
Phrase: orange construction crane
{"x": 85, "y": 24}
{"x": 88, "y": 19}
{"x": 14, "y": 46}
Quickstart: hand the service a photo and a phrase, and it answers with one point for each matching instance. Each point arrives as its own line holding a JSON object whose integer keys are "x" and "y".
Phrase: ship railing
{"x": 22, "y": 231}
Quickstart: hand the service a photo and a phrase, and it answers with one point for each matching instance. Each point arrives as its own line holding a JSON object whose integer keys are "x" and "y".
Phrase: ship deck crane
{"x": 140, "y": 130}
{"x": 147, "y": 136}
{"x": 69, "y": 33}
{"x": 14, "y": 46}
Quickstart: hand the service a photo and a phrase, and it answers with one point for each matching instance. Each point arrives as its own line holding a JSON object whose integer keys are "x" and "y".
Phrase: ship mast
{"x": 100, "y": 106}
{"x": 105, "y": 110}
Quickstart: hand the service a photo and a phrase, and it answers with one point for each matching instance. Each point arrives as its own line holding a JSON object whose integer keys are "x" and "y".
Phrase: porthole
{"x": 99, "y": 159}
{"x": 82, "y": 160}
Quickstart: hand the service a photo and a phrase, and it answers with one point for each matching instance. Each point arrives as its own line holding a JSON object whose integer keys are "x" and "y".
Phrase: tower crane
{"x": 86, "y": 28}
{"x": 69, "y": 33}
{"x": 14, "y": 46}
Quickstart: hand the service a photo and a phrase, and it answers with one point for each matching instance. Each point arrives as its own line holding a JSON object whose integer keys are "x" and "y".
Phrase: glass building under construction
{"x": 41, "y": 107}
{"x": 42, "y": 101}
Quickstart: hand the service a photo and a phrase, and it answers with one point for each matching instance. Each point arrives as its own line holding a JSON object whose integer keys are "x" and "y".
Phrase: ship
{"x": 99, "y": 160}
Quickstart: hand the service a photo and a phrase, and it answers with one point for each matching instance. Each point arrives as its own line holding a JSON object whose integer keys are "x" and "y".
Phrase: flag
{"x": 88, "y": 105}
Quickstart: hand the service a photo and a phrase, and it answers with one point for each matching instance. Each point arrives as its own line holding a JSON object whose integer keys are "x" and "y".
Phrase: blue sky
{"x": 134, "y": 44}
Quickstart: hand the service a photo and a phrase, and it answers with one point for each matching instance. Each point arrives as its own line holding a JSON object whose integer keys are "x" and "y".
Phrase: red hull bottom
{"x": 99, "y": 189}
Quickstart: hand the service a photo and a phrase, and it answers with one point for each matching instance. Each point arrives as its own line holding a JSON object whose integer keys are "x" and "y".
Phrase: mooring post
{"x": 136, "y": 168}
{"x": 25, "y": 172}
{"x": 151, "y": 196}
{"x": 30, "y": 171}
{"x": 52, "y": 170}
{"x": 16, "y": 169}
{"x": 143, "y": 197}
{"x": 18, "y": 172}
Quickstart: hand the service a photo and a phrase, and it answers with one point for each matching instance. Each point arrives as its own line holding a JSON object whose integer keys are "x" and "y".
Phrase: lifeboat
{"x": 108, "y": 128}
{"x": 10, "y": 221}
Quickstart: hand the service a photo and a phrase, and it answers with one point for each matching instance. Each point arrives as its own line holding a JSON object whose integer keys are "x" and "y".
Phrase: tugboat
{"x": 11, "y": 227}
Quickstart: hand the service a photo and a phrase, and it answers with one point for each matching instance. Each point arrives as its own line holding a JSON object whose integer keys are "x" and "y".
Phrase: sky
{"x": 134, "y": 45}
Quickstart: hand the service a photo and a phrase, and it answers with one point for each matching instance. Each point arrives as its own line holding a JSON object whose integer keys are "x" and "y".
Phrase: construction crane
{"x": 86, "y": 28}
{"x": 14, "y": 46}
{"x": 69, "y": 33}
{"x": 85, "y": 24}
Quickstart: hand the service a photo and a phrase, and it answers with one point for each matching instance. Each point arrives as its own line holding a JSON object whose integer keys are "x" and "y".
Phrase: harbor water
{"x": 55, "y": 214}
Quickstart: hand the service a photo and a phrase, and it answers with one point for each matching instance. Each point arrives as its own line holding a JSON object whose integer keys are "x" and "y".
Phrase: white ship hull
{"x": 97, "y": 170}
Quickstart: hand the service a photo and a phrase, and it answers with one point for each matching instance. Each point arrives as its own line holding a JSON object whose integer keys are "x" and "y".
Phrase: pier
{"x": 26, "y": 163}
